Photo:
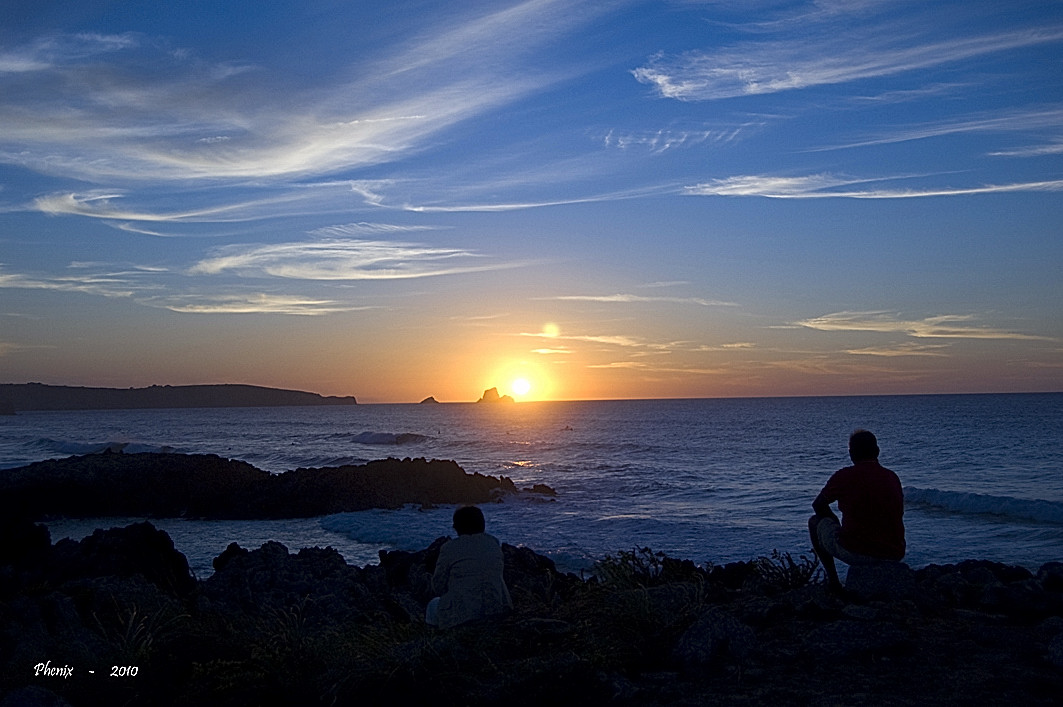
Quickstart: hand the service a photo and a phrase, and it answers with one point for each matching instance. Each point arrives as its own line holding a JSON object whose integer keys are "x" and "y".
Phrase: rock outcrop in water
{"x": 275, "y": 627}
{"x": 491, "y": 396}
{"x": 162, "y": 485}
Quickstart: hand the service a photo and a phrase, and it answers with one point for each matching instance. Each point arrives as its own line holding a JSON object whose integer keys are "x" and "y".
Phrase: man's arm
{"x": 822, "y": 506}
{"x": 441, "y": 575}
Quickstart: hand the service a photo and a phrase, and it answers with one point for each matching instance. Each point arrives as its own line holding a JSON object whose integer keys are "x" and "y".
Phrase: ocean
{"x": 710, "y": 480}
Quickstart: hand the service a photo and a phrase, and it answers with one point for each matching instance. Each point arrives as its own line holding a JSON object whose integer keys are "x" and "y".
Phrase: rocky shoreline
{"x": 118, "y": 617}
{"x": 275, "y": 627}
{"x": 167, "y": 485}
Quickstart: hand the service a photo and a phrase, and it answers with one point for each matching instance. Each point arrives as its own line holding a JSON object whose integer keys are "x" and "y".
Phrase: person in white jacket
{"x": 468, "y": 574}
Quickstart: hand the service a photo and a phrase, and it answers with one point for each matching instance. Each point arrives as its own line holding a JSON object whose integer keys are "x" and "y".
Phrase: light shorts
{"x": 431, "y": 612}
{"x": 827, "y": 530}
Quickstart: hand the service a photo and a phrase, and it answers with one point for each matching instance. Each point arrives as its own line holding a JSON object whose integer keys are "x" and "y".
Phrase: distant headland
{"x": 16, "y": 397}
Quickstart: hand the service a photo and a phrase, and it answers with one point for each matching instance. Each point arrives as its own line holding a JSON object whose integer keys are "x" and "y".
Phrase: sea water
{"x": 713, "y": 481}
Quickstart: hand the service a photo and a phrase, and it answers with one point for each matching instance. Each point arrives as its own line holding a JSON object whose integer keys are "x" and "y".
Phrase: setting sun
{"x": 521, "y": 386}
{"x": 522, "y": 379}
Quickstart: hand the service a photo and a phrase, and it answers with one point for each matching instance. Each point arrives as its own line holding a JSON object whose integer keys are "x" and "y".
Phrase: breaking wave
{"x": 1037, "y": 509}
{"x": 68, "y": 448}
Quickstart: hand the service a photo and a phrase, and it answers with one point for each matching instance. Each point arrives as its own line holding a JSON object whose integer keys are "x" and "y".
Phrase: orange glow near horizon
{"x": 523, "y": 380}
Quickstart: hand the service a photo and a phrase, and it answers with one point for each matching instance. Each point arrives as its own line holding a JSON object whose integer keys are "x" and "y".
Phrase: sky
{"x": 561, "y": 199}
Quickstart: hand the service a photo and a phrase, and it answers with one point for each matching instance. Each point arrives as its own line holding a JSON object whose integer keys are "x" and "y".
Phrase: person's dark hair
{"x": 862, "y": 446}
{"x": 469, "y": 520}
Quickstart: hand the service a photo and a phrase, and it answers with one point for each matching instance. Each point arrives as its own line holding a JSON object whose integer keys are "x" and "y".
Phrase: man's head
{"x": 863, "y": 446}
{"x": 469, "y": 520}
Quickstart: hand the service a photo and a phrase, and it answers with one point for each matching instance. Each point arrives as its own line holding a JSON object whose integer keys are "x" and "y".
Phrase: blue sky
{"x": 607, "y": 199}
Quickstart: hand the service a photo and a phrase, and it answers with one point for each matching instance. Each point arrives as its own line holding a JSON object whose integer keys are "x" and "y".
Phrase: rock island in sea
{"x": 275, "y": 627}
{"x": 491, "y": 396}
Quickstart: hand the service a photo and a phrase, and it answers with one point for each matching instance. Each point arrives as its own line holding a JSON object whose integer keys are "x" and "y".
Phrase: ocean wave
{"x": 403, "y": 529}
{"x": 69, "y": 448}
{"x": 1036, "y": 509}
{"x": 388, "y": 438}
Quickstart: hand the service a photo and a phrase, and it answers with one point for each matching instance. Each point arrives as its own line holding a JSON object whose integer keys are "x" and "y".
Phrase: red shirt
{"x": 872, "y": 504}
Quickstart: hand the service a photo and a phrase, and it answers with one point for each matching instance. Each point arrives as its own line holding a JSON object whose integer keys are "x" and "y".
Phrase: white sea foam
{"x": 1035, "y": 509}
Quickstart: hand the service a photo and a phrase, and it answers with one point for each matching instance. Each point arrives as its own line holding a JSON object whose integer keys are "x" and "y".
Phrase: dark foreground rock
{"x": 163, "y": 485}
{"x": 272, "y": 627}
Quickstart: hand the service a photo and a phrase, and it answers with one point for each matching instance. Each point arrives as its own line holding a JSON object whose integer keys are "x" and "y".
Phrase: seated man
{"x": 871, "y": 501}
{"x": 468, "y": 574}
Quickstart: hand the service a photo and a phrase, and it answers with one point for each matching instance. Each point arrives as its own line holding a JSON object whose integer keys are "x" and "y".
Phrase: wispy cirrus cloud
{"x": 735, "y": 346}
{"x": 365, "y": 229}
{"x": 620, "y": 364}
{"x": 289, "y": 200}
{"x": 125, "y": 283}
{"x": 825, "y": 186}
{"x": 161, "y": 288}
{"x": 908, "y": 348}
{"x": 636, "y": 344}
{"x": 656, "y": 368}
{"x": 611, "y": 340}
{"x": 912, "y": 94}
{"x": 250, "y": 303}
{"x": 664, "y": 283}
{"x": 108, "y": 206}
{"x": 635, "y": 299}
{"x": 947, "y": 326}
{"x": 60, "y": 49}
{"x": 833, "y": 367}
{"x": 344, "y": 259}
{"x": 97, "y": 113}
{"x": 768, "y": 185}
{"x": 497, "y": 207}
{"x": 1052, "y": 148}
{"x": 621, "y": 340}
{"x": 558, "y": 342}
{"x": 660, "y": 141}
{"x": 7, "y": 347}
{"x": 1030, "y": 120}
{"x": 820, "y": 58}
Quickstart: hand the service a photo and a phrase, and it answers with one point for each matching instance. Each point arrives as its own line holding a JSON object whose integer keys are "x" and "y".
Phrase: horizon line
{"x": 550, "y": 400}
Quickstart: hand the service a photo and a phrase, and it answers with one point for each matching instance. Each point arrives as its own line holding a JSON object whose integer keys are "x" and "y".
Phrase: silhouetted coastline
{"x": 38, "y": 396}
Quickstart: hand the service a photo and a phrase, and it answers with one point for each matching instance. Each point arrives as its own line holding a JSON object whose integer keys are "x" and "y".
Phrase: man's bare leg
{"x": 825, "y": 558}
